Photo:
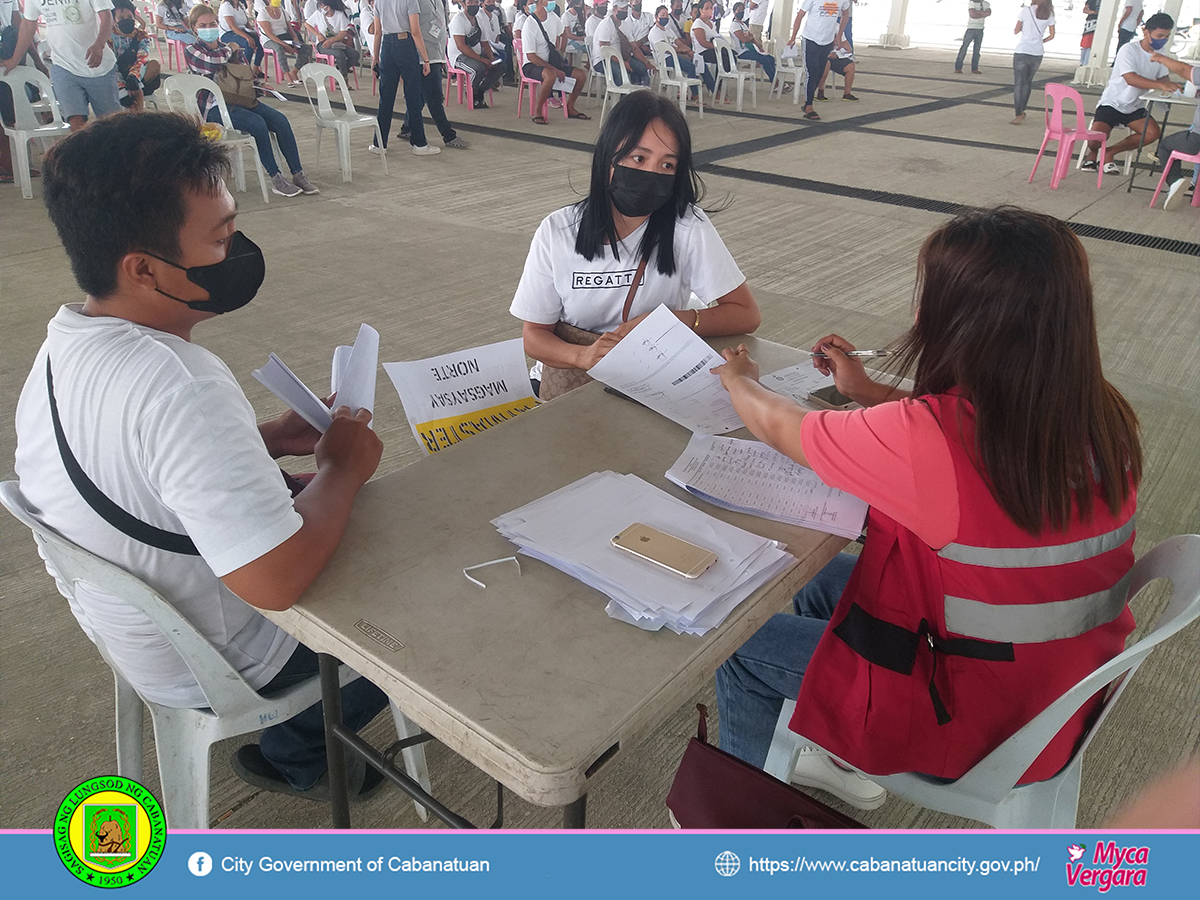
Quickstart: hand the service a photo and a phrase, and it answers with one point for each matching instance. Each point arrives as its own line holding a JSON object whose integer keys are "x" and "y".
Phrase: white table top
{"x": 527, "y": 679}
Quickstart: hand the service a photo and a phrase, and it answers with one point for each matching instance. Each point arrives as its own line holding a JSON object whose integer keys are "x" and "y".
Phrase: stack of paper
{"x": 749, "y": 477}
{"x": 643, "y": 594}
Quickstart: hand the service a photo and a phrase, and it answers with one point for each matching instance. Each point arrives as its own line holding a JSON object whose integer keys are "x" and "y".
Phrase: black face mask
{"x": 472, "y": 10}
{"x": 231, "y": 283}
{"x": 125, "y": 26}
{"x": 637, "y": 193}
{"x": 622, "y": 15}
{"x": 600, "y": 11}
{"x": 662, "y": 23}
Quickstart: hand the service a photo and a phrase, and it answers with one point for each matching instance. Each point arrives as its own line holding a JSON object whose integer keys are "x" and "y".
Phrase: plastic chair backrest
{"x": 667, "y": 60}
{"x": 1176, "y": 559}
{"x": 180, "y": 93}
{"x": 614, "y": 68}
{"x": 25, "y": 116}
{"x": 726, "y": 58}
{"x": 316, "y": 73}
{"x": 520, "y": 54}
{"x": 224, "y": 688}
{"x": 1056, "y": 94}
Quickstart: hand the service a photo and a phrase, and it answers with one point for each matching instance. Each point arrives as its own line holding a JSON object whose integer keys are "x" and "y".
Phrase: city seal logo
{"x": 110, "y": 832}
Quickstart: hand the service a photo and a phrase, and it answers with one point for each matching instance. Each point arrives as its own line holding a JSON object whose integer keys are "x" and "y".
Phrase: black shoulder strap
{"x": 114, "y": 515}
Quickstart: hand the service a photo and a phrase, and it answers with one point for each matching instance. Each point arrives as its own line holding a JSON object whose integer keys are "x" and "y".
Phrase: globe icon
{"x": 728, "y": 863}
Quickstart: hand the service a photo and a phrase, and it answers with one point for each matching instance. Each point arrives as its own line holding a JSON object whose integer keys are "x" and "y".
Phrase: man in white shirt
{"x": 84, "y": 66}
{"x": 140, "y": 446}
{"x": 610, "y": 33}
{"x": 757, "y": 13}
{"x": 498, "y": 33}
{"x": 977, "y": 13}
{"x": 1121, "y": 104}
{"x": 823, "y": 23}
{"x": 1127, "y": 25}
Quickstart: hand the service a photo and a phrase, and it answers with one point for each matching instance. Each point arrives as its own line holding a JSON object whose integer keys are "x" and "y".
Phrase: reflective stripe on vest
{"x": 1032, "y": 623}
{"x": 1037, "y": 557}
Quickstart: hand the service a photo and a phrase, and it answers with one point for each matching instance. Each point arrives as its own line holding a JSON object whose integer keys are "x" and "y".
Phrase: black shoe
{"x": 402, "y": 133}
{"x": 254, "y": 769}
{"x": 481, "y": 104}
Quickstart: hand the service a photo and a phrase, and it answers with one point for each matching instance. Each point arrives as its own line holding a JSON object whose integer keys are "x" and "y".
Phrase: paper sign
{"x": 448, "y": 398}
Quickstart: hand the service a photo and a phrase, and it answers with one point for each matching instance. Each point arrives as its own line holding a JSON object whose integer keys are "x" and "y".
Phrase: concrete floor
{"x": 825, "y": 220}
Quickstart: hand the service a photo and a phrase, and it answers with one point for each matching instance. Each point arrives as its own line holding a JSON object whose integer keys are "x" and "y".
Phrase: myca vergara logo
{"x": 1110, "y": 866}
{"x": 110, "y": 832}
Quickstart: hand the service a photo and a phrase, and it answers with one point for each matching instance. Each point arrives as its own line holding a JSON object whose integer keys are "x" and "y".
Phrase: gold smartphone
{"x": 680, "y": 556}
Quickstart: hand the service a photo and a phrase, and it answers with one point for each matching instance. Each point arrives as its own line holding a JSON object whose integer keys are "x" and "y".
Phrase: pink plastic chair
{"x": 328, "y": 58}
{"x": 1183, "y": 158}
{"x": 175, "y": 58}
{"x": 1056, "y": 94}
{"x": 462, "y": 78}
{"x": 534, "y": 86}
{"x": 268, "y": 53}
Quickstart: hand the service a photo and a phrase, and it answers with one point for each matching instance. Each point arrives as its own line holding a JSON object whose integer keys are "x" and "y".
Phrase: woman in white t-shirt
{"x": 640, "y": 218}
{"x": 235, "y": 27}
{"x": 280, "y": 37}
{"x": 172, "y": 17}
{"x": 1035, "y": 25}
{"x": 330, "y": 28}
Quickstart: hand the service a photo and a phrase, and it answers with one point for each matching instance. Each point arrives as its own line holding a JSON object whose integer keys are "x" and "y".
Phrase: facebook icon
{"x": 200, "y": 864}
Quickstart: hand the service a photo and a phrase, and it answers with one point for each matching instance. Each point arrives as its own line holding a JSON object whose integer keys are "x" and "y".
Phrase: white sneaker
{"x": 1111, "y": 168}
{"x": 427, "y": 150}
{"x": 373, "y": 148}
{"x": 1176, "y": 193}
{"x": 816, "y": 768}
{"x": 283, "y": 187}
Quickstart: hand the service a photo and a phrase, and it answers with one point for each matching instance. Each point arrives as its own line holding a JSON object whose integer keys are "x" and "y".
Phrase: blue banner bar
{"x": 578, "y": 865}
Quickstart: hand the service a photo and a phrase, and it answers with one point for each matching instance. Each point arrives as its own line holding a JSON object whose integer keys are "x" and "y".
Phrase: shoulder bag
{"x": 555, "y": 59}
{"x": 555, "y": 381}
{"x": 714, "y": 789}
{"x": 236, "y": 81}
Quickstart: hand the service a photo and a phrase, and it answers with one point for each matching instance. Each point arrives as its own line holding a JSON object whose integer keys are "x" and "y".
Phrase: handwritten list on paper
{"x": 750, "y": 477}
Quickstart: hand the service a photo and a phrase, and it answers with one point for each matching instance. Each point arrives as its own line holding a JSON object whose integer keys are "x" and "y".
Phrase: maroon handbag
{"x": 714, "y": 789}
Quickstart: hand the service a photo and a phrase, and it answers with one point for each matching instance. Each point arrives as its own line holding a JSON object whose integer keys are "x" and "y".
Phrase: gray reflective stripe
{"x": 1032, "y": 623}
{"x": 1036, "y": 557}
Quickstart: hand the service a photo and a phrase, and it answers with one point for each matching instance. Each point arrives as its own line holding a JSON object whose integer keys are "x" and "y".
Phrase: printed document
{"x": 450, "y": 397}
{"x": 750, "y": 477}
{"x": 796, "y": 382}
{"x": 665, "y": 365}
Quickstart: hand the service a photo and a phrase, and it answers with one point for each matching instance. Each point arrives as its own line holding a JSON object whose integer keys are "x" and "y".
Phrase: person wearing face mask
{"x": 159, "y": 427}
{"x": 1134, "y": 72}
{"x": 469, "y": 52}
{"x": 281, "y": 37}
{"x": 498, "y": 33}
{"x": 639, "y": 239}
{"x": 234, "y": 21}
{"x": 206, "y": 57}
{"x": 574, "y": 28}
{"x": 745, "y": 45}
{"x": 139, "y": 73}
{"x": 329, "y": 27}
{"x": 545, "y": 62}
{"x": 664, "y": 31}
{"x": 611, "y": 33}
{"x": 594, "y": 21}
{"x": 822, "y": 25}
{"x": 702, "y": 32}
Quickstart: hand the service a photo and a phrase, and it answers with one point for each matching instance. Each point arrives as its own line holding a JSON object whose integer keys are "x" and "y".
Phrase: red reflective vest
{"x": 934, "y": 657}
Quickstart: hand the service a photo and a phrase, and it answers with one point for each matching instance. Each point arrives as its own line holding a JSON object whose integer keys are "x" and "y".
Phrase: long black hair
{"x": 621, "y": 133}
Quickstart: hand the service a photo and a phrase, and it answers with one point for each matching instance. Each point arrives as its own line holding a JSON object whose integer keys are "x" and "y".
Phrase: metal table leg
{"x": 331, "y": 704}
{"x": 1142, "y": 143}
{"x": 575, "y": 813}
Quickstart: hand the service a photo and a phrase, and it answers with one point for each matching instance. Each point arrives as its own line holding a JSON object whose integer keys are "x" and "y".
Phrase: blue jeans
{"x": 230, "y": 37}
{"x": 767, "y": 62}
{"x": 637, "y": 72}
{"x": 420, "y": 90}
{"x": 767, "y": 669}
{"x": 297, "y": 747}
{"x": 186, "y": 36}
{"x": 261, "y": 122}
{"x": 974, "y": 39}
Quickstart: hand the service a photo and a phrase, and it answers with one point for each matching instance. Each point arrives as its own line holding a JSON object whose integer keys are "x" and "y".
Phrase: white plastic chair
{"x": 616, "y": 79}
{"x": 727, "y": 71}
{"x": 988, "y": 792}
{"x": 183, "y": 737}
{"x": 180, "y": 93}
{"x": 594, "y": 78}
{"x": 26, "y": 125}
{"x": 342, "y": 123}
{"x": 790, "y": 69}
{"x": 666, "y": 60}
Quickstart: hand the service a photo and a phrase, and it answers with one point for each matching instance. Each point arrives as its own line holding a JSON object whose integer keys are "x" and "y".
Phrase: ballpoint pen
{"x": 861, "y": 354}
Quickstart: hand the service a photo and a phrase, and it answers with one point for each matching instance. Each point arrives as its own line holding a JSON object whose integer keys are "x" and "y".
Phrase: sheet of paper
{"x": 356, "y": 384}
{"x": 341, "y": 356}
{"x": 283, "y": 383}
{"x": 796, "y": 382}
{"x": 790, "y": 52}
{"x": 747, "y": 476}
{"x": 450, "y": 397}
{"x": 664, "y": 365}
{"x": 565, "y": 84}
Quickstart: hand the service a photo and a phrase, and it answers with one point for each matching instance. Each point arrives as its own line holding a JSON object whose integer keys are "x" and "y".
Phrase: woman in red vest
{"x": 1000, "y": 535}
